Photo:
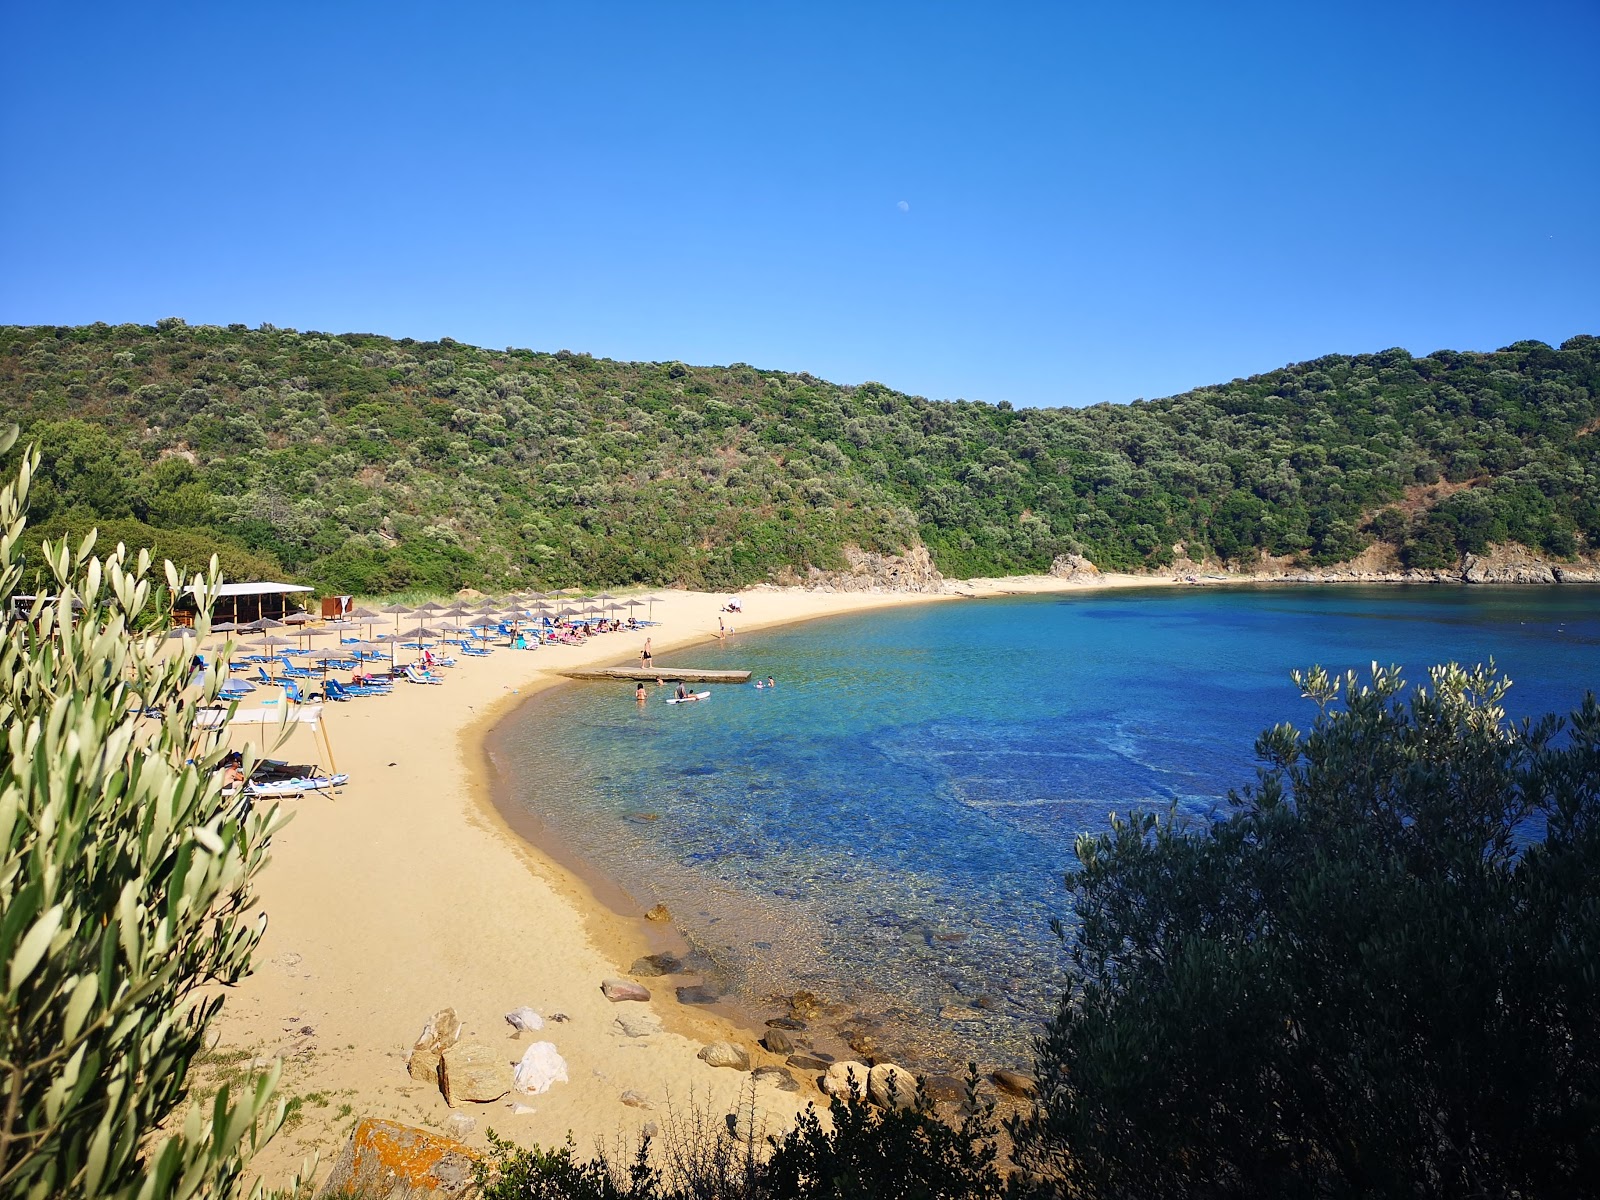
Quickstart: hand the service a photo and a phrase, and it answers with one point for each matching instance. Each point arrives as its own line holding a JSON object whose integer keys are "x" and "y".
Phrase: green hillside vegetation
{"x": 364, "y": 464}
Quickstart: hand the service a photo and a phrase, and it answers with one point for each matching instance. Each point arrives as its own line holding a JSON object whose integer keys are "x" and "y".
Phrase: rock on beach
{"x": 473, "y": 1073}
{"x": 618, "y": 990}
{"x": 725, "y": 1054}
{"x": 441, "y": 1032}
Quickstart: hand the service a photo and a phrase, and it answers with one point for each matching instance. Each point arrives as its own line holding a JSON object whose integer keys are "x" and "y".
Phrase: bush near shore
{"x": 364, "y": 464}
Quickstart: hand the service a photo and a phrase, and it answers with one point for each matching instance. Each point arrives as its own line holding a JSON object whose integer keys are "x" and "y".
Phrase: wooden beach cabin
{"x": 246, "y": 602}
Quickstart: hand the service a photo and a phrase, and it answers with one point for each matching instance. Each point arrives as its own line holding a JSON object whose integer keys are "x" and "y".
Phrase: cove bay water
{"x": 890, "y": 826}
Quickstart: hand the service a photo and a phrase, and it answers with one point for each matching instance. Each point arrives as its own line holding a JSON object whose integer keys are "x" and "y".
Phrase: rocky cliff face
{"x": 1073, "y": 566}
{"x": 1509, "y": 563}
{"x": 912, "y": 571}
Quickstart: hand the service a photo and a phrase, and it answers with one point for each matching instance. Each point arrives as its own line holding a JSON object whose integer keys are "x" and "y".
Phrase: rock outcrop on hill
{"x": 867, "y": 571}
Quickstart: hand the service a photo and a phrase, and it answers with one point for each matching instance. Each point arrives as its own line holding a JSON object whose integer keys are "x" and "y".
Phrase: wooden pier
{"x": 671, "y": 674}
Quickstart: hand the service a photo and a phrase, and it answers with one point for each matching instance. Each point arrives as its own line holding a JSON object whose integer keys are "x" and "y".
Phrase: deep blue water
{"x": 891, "y": 825}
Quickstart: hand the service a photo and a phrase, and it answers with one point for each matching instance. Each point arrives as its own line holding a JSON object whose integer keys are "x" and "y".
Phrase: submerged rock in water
{"x": 698, "y": 993}
{"x": 1014, "y": 1082}
{"x": 944, "y": 1088}
{"x": 659, "y": 913}
{"x": 657, "y": 964}
{"x": 617, "y": 990}
{"x": 786, "y": 1023}
{"x": 810, "y": 1060}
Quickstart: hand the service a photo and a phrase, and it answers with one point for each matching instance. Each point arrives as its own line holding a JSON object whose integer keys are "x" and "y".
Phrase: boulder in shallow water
{"x": 657, "y": 964}
{"x": 473, "y": 1073}
{"x": 658, "y": 913}
{"x": 698, "y": 993}
{"x": 1014, "y": 1082}
{"x": 441, "y": 1032}
{"x": 944, "y": 1089}
{"x": 725, "y": 1054}
{"x": 618, "y": 990}
{"x": 889, "y": 1086}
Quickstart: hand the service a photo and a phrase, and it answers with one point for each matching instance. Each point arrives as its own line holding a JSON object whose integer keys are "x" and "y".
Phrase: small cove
{"x": 889, "y": 827}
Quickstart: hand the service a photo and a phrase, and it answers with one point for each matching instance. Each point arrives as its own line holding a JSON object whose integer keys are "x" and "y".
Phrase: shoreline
{"x": 410, "y": 891}
{"x": 420, "y": 887}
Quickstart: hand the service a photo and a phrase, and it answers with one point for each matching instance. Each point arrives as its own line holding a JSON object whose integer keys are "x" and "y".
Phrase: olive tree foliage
{"x": 125, "y": 880}
{"x": 1379, "y": 976}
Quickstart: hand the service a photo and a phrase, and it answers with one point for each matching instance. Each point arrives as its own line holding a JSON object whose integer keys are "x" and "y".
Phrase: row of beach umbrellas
{"x": 485, "y": 614}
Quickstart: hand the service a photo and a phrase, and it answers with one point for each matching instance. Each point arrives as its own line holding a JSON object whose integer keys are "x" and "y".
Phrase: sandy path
{"x": 408, "y": 893}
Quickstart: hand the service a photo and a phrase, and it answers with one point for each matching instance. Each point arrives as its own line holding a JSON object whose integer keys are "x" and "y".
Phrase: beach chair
{"x": 292, "y": 690}
{"x": 263, "y": 677}
{"x": 294, "y": 672}
{"x": 416, "y": 674}
{"x": 476, "y": 651}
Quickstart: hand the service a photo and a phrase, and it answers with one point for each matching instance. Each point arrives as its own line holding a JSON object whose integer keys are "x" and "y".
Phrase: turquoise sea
{"x": 890, "y": 826}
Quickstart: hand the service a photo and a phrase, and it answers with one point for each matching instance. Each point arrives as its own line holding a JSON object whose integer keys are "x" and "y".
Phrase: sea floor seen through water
{"x": 890, "y": 826}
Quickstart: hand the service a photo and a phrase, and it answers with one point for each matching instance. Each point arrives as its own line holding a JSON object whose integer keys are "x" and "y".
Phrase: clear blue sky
{"x": 1046, "y": 203}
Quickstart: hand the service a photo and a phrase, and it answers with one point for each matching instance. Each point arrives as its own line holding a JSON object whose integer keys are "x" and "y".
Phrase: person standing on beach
{"x": 645, "y": 655}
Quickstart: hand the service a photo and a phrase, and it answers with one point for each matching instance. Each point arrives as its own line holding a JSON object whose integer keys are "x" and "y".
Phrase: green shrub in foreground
{"x": 124, "y": 879}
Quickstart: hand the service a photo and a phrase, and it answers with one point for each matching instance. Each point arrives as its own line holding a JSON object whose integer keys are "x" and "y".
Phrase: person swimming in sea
{"x": 639, "y": 693}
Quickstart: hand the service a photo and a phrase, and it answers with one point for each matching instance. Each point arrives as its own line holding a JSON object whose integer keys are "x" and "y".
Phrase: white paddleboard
{"x": 686, "y": 699}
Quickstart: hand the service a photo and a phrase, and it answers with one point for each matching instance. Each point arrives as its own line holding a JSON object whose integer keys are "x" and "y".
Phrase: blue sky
{"x": 1047, "y": 203}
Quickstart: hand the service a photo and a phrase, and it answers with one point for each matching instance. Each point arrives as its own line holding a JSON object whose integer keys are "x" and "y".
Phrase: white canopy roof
{"x": 260, "y": 589}
{"x": 306, "y": 714}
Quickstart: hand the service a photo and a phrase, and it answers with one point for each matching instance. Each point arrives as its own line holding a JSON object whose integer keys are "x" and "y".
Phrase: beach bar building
{"x": 246, "y": 602}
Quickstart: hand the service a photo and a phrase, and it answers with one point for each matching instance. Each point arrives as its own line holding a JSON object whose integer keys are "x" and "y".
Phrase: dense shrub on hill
{"x": 367, "y": 464}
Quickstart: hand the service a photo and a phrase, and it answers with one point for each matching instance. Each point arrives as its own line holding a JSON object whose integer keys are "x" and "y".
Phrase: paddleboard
{"x": 686, "y": 699}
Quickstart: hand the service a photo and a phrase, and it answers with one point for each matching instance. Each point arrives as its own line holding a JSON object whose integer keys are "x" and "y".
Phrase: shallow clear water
{"x": 890, "y": 826}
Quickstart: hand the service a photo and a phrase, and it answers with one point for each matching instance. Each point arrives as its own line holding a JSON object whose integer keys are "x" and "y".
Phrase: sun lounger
{"x": 417, "y": 675}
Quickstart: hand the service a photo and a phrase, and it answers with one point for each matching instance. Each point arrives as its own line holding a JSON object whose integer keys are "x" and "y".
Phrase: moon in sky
{"x": 903, "y": 206}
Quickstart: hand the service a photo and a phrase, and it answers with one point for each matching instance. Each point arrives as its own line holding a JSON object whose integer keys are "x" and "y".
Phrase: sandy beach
{"x": 409, "y": 892}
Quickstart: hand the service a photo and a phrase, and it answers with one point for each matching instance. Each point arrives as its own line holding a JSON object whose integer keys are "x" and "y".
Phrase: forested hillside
{"x": 361, "y": 463}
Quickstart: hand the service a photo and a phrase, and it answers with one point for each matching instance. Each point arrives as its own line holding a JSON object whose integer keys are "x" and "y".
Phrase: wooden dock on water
{"x": 672, "y": 674}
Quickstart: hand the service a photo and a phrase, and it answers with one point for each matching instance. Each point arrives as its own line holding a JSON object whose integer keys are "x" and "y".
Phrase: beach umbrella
{"x": 361, "y": 614}
{"x": 299, "y": 618}
{"x": 225, "y": 627}
{"x": 605, "y": 596}
{"x": 430, "y": 606}
{"x": 651, "y": 601}
{"x": 270, "y": 623}
{"x": 181, "y": 631}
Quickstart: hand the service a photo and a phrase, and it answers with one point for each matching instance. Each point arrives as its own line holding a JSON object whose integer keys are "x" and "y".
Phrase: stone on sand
{"x": 638, "y": 1023}
{"x": 617, "y": 990}
{"x": 1014, "y": 1082}
{"x": 385, "y": 1159}
{"x": 441, "y": 1032}
{"x": 470, "y": 1072}
{"x": 725, "y": 1054}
